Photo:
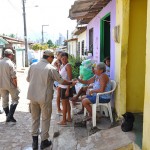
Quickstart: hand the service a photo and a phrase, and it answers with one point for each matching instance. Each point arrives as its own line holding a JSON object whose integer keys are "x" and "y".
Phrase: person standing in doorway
{"x": 8, "y": 85}
{"x": 41, "y": 77}
{"x": 107, "y": 63}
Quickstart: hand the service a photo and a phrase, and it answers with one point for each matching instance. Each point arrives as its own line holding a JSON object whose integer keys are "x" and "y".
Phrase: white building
{"x": 72, "y": 46}
{"x": 80, "y": 32}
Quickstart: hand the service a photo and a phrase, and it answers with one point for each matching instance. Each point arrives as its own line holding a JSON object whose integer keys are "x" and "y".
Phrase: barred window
{"x": 79, "y": 47}
{"x": 83, "y": 47}
{"x": 91, "y": 40}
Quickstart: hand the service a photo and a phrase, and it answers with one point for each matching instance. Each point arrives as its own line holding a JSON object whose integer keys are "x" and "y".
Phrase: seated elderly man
{"x": 101, "y": 83}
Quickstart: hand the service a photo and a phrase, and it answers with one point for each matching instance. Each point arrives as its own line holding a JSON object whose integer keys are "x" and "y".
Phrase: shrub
{"x": 75, "y": 63}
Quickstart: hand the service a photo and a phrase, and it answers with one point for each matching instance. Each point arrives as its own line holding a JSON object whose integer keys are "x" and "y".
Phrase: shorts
{"x": 62, "y": 93}
{"x": 92, "y": 99}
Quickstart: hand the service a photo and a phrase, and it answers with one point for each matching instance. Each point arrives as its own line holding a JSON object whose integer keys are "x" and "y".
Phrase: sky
{"x": 53, "y": 13}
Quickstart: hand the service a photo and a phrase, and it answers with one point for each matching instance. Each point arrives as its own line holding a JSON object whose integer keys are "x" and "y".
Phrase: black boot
{"x": 35, "y": 142}
{"x": 11, "y": 113}
{"x": 45, "y": 143}
{"x": 6, "y": 110}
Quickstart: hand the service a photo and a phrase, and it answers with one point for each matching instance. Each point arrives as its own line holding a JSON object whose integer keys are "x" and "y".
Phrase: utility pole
{"x": 25, "y": 34}
{"x": 43, "y": 33}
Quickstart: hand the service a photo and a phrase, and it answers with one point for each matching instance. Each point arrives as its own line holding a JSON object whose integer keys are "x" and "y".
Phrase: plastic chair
{"x": 108, "y": 105}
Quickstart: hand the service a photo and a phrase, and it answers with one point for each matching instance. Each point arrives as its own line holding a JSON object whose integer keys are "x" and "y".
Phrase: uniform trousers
{"x": 43, "y": 109}
{"x": 14, "y": 92}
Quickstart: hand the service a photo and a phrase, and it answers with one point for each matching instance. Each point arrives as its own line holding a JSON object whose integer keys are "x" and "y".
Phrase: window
{"x": 91, "y": 40}
{"x": 79, "y": 47}
{"x": 83, "y": 47}
{"x": 69, "y": 51}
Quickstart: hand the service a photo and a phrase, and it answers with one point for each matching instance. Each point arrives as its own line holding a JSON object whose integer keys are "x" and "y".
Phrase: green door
{"x": 104, "y": 37}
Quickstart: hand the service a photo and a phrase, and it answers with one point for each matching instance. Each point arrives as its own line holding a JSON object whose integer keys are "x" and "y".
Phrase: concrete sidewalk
{"x": 18, "y": 136}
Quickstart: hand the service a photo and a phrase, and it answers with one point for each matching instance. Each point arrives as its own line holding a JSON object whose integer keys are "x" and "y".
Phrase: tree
{"x": 44, "y": 47}
{"x": 12, "y": 35}
{"x": 65, "y": 43}
{"x": 50, "y": 43}
{"x": 37, "y": 47}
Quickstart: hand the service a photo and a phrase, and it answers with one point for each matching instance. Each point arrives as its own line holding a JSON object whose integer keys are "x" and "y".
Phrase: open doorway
{"x": 104, "y": 37}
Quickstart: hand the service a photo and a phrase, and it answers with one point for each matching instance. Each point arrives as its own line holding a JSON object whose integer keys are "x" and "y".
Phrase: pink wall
{"x": 95, "y": 24}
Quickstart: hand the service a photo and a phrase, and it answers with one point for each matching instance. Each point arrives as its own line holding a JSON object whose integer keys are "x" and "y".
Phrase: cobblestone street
{"x": 18, "y": 136}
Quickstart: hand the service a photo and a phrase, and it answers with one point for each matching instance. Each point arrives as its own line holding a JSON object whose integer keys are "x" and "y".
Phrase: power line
{"x": 15, "y": 8}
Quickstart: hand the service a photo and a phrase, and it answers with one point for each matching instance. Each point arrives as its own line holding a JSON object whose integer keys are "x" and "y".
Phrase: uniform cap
{"x": 48, "y": 53}
{"x": 8, "y": 51}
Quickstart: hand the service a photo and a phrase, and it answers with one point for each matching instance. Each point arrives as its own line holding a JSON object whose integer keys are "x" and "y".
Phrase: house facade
{"x": 99, "y": 35}
{"x": 17, "y": 46}
{"x": 100, "y": 18}
{"x": 133, "y": 61}
{"x": 2, "y": 46}
{"x": 129, "y": 51}
{"x": 99, "y": 23}
{"x": 80, "y": 32}
{"x": 72, "y": 46}
{"x": 146, "y": 119}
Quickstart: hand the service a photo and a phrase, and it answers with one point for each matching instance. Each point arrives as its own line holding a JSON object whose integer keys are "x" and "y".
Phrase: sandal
{"x": 62, "y": 124}
{"x": 69, "y": 120}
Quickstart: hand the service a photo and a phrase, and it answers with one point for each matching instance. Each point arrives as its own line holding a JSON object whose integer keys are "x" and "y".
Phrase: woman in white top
{"x": 66, "y": 91}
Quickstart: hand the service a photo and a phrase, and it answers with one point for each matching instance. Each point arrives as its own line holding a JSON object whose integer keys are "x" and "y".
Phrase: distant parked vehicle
{"x": 32, "y": 56}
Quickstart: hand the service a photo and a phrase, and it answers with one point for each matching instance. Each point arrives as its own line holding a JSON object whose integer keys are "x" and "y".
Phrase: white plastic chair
{"x": 108, "y": 105}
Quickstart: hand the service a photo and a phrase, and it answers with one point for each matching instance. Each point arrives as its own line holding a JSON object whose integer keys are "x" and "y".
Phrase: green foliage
{"x": 50, "y": 43}
{"x": 75, "y": 63}
{"x": 44, "y": 47}
{"x": 65, "y": 43}
{"x": 37, "y": 47}
{"x": 12, "y": 35}
{"x": 54, "y": 47}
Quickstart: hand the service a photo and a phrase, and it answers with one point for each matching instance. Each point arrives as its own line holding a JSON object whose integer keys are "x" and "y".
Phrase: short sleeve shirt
{"x": 7, "y": 72}
{"x": 41, "y": 77}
